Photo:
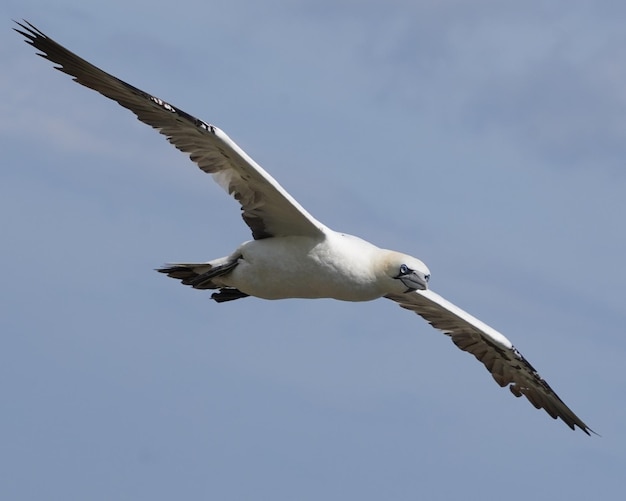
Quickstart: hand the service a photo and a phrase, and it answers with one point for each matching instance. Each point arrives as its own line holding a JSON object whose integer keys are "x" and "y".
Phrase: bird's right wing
{"x": 266, "y": 207}
{"x": 495, "y": 351}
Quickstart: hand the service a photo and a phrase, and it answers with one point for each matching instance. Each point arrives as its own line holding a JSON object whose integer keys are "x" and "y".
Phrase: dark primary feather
{"x": 506, "y": 365}
{"x": 266, "y": 207}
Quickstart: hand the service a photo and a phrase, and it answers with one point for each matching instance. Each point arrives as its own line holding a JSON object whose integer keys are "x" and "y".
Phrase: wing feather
{"x": 505, "y": 363}
{"x": 266, "y": 207}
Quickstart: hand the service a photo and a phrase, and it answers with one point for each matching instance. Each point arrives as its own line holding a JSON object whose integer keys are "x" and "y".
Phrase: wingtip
{"x": 24, "y": 24}
{"x": 589, "y": 431}
{"x": 30, "y": 32}
{"x": 577, "y": 423}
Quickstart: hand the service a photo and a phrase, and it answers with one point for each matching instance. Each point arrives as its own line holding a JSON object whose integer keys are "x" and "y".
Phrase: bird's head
{"x": 404, "y": 273}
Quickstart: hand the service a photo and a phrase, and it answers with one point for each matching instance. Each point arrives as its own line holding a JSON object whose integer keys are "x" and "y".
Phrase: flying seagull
{"x": 292, "y": 254}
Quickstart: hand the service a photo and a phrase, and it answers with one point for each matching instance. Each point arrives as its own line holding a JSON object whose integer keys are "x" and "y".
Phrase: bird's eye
{"x": 404, "y": 269}
{"x": 427, "y": 277}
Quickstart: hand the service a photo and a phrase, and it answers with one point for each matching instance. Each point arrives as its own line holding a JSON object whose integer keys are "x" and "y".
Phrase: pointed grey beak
{"x": 414, "y": 280}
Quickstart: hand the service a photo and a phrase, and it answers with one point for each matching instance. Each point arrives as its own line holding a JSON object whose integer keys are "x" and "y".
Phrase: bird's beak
{"x": 415, "y": 281}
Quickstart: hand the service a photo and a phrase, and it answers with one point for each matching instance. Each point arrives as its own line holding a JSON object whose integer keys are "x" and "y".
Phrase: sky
{"x": 487, "y": 138}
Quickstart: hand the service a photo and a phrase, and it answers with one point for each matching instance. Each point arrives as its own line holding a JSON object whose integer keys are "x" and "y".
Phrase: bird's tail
{"x": 201, "y": 275}
{"x": 194, "y": 274}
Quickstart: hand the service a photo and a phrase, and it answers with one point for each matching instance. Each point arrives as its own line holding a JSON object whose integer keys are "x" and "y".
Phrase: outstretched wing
{"x": 496, "y": 352}
{"x": 267, "y": 208}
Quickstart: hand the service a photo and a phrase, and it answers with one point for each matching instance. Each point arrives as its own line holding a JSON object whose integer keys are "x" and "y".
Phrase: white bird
{"x": 294, "y": 255}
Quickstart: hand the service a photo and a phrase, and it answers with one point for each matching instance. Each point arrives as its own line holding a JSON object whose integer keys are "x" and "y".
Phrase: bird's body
{"x": 292, "y": 255}
{"x": 334, "y": 265}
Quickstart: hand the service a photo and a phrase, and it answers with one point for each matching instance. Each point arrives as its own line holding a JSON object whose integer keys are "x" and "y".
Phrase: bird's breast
{"x": 304, "y": 267}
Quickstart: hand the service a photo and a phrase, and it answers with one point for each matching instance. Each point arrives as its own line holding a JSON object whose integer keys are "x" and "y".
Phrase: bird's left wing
{"x": 266, "y": 207}
{"x": 495, "y": 351}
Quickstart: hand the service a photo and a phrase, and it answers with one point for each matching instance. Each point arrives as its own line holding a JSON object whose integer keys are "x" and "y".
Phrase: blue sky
{"x": 487, "y": 138}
